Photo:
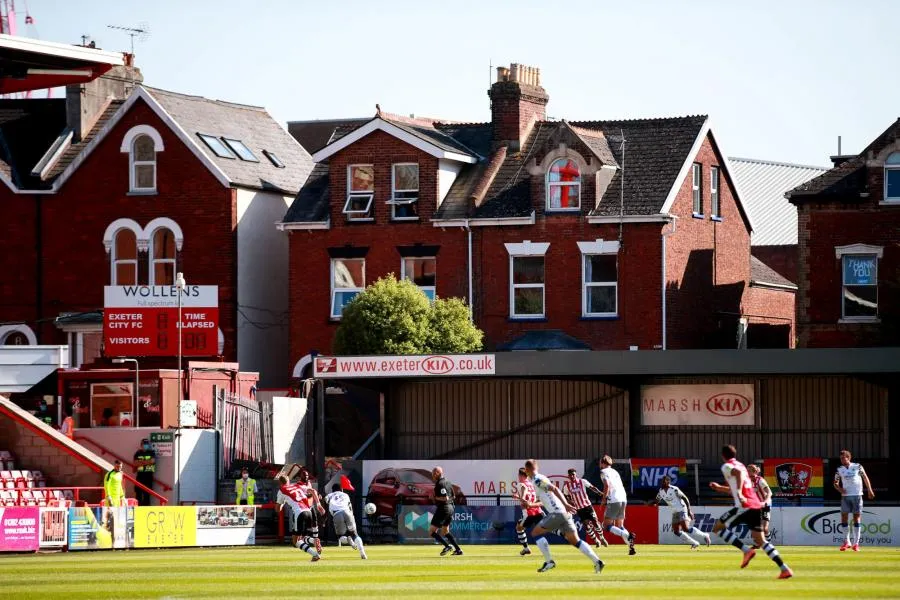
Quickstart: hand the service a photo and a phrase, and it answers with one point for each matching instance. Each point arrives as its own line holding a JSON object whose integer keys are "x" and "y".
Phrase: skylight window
{"x": 274, "y": 159}
{"x": 238, "y": 147}
{"x": 216, "y": 145}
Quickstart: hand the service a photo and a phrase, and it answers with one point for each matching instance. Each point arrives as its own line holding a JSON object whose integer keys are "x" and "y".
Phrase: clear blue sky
{"x": 780, "y": 79}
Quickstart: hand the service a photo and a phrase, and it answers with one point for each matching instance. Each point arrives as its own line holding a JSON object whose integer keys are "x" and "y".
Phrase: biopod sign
{"x": 804, "y": 526}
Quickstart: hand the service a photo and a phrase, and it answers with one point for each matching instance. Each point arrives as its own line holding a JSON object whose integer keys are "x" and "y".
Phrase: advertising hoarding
{"x": 101, "y": 528}
{"x": 19, "y": 529}
{"x": 794, "y": 477}
{"x": 471, "y": 524}
{"x": 226, "y": 525}
{"x": 821, "y": 526}
{"x": 165, "y": 526}
{"x": 451, "y": 365}
{"x": 704, "y": 519}
{"x": 647, "y": 473}
{"x": 707, "y": 404}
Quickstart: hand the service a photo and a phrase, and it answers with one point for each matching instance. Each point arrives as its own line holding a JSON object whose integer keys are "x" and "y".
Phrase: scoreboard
{"x": 142, "y": 320}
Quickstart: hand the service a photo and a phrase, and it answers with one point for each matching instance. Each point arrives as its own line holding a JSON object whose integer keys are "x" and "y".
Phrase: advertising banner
{"x": 647, "y": 473}
{"x": 101, "y": 528}
{"x": 226, "y": 525}
{"x": 344, "y": 367}
{"x": 725, "y": 404}
{"x": 794, "y": 477}
{"x": 165, "y": 526}
{"x": 821, "y": 526}
{"x": 704, "y": 519}
{"x": 640, "y": 520}
{"x": 142, "y": 320}
{"x": 471, "y": 524}
{"x": 19, "y": 529}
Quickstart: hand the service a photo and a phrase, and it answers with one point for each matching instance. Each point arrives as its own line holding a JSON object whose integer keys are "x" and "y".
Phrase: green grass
{"x": 417, "y": 572}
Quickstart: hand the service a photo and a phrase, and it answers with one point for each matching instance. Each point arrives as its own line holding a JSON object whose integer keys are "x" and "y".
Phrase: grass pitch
{"x": 418, "y": 572}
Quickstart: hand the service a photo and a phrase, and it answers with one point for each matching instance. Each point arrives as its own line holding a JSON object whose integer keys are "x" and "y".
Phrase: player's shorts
{"x": 343, "y": 522}
{"x": 586, "y": 514}
{"x": 304, "y": 522}
{"x": 751, "y": 517}
{"x": 765, "y": 513}
{"x": 443, "y": 516}
{"x": 528, "y": 521}
{"x": 561, "y": 522}
{"x": 615, "y": 511}
{"x": 852, "y": 504}
{"x": 679, "y": 516}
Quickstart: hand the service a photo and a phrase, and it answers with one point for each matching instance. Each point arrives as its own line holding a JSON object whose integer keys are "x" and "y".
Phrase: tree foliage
{"x": 396, "y": 317}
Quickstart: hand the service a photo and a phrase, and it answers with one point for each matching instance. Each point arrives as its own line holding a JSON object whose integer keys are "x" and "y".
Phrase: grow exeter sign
{"x": 714, "y": 404}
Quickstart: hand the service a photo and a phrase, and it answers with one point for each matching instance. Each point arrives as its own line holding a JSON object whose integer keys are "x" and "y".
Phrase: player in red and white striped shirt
{"x": 577, "y": 493}
{"x": 531, "y": 510}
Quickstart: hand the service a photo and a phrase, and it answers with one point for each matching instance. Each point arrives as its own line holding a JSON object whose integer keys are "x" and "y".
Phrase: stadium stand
{"x": 27, "y": 488}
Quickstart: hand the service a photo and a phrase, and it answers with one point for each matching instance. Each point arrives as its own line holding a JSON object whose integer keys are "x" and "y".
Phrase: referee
{"x": 443, "y": 514}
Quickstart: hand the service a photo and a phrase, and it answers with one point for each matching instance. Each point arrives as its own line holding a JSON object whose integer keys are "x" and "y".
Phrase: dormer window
{"x": 892, "y": 178}
{"x": 405, "y": 192}
{"x": 143, "y": 164}
{"x": 563, "y": 185}
{"x": 360, "y": 191}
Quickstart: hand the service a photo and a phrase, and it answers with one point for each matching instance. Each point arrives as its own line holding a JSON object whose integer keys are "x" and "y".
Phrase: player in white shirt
{"x": 557, "y": 519}
{"x": 764, "y": 492}
{"x": 848, "y": 480}
{"x": 616, "y": 499}
{"x": 682, "y": 515}
{"x": 342, "y": 516}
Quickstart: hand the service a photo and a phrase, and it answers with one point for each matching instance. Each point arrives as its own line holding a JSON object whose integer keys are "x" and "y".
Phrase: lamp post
{"x": 137, "y": 387}
{"x": 179, "y": 285}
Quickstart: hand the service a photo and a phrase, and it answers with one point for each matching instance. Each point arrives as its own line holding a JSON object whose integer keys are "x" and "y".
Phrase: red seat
{"x": 131, "y": 502}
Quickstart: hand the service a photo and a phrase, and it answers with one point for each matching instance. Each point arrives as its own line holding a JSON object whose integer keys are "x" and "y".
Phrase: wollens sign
{"x": 795, "y": 477}
{"x": 142, "y": 320}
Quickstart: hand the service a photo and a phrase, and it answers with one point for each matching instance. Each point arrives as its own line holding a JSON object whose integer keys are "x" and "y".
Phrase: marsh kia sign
{"x": 716, "y": 404}
{"x": 142, "y": 320}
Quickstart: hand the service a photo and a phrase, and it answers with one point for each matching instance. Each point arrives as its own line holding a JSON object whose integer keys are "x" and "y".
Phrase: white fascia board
{"x": 658, "y": 218}
{"x": 378, "y": 124}
{"x": 60, "y": 145}
{"x": 303, "y": 225}
{"x": 773, "y": 286}
{"x": 599, "y": 247}
{"x": 500, "y": 222}
{"x": 840, "y": 251}
{"x": 62, "y": 50}
{"x": 738, "y": 194}
{"x": 142, "y": 93}
{"x": 689, "y": 160}
{"x": 527, "y": 248}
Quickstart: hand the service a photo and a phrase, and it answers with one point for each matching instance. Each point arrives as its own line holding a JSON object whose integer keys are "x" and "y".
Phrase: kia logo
{"x": 437, "y": 365}
{"x": 728, "y": 405}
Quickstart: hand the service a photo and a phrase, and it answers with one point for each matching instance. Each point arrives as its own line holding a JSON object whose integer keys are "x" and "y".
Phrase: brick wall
{"x": 770, "y": 314}
{"x": 18, "y": 257}
{"x": 781, "y": 259}
{"x": 514, "y": 107}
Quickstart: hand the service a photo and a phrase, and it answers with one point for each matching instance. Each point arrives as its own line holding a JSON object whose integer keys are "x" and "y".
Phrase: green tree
{"x": 396, "y": 317}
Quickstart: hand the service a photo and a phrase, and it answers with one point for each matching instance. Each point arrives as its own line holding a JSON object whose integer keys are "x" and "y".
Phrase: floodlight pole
{"x": 179, "y": 285}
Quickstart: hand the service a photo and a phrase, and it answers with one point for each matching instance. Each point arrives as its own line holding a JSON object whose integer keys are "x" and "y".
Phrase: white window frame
{"x": 115, "y": 262}
{"x": 154, "y": 261}
{"x": 697, "y": 189}
{"x": 355, "y": 215}
{"x": 424, "y": 288}
{"x": 715, "y": 208}
{"x": 334, "y": 290}
{"x": 859, "y": 250}
{"x": 549, "y": 185}
{"x": 887, "y": 168}
{"x": 133, "y": 163}
{"x": 597, "y": 248}
{"x": 394, "y": 201}
{"x": 524, "y": 250}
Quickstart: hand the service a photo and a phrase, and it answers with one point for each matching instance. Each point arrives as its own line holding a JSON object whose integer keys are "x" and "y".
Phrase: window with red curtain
{"x": 563, "y": 185}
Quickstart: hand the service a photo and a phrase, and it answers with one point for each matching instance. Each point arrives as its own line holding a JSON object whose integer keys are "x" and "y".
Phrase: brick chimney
{"x": 85, "y": 102}
{"x": 517, "y": 101}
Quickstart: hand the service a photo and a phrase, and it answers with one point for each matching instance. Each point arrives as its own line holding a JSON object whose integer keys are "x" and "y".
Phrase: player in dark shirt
{"x": 443, "y": 513}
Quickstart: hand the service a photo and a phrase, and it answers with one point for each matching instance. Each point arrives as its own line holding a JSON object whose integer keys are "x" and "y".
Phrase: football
{"x": 370, "y": 509}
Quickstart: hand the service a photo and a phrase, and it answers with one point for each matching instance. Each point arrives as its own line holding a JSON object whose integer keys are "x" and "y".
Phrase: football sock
{"x": 586, "y": 550}
{"x": 544, "y": 545}
{"x": 858, "y": 532}
{"x": 440, "y": 539}
{"x": 683, "y": 535}
{"x": 729, "y": 536}
{"x": 452, "y": 540}
{"x": 359, "y": 545}
{"x": 590, "y": 534}
{"x": 523, "y": 538}
{"x": 772, "y": 553}
{"x": 847, "y": 532}
{"x": 619, "y": 531}
{"x": 307, "y": 547}
{"x": 696, "y": 531}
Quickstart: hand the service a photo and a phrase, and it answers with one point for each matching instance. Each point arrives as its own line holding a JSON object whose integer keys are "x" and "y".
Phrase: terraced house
{"x": 562, "y": 234}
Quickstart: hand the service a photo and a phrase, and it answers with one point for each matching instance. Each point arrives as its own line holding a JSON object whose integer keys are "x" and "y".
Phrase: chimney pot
{"x": 502, "y": 74}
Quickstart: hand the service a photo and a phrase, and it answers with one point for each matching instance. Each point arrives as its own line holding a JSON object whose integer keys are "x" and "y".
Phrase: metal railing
{"x": 246, "y": 428}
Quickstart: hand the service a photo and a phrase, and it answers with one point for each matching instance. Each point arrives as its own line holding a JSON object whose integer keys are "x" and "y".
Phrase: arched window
{"x": 563, "y": 185}
{"x": 162, "y": 257}
{"x": 143, "y": 164}
{"x": 124, "y": 258}
{"x": 892, "y": 178}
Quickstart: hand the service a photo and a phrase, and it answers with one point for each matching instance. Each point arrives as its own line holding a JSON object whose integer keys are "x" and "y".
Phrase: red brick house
{"x": 123, "y": 184}
{"x": 561, "y": 234}
{"x": 849, "y": 249}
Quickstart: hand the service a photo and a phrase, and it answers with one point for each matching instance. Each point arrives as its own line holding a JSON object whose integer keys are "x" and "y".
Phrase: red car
{"x": 393, "y": 487}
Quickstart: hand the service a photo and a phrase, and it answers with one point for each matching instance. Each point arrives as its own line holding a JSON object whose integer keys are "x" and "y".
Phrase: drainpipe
{"x": 471, "y": 291}
{"x": 665, "y": 234}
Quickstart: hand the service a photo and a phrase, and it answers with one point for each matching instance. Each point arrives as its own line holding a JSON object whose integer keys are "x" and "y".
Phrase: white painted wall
{"x": 262, "y": 286}
{"x": 288, "y": 422}
{"x": 198, "y": 458}
{"x": 447, "y": 172}
{"x": 23, "y": 366}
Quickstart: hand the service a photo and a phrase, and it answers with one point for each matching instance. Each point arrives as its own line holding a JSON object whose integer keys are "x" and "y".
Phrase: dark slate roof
{"x": 597, "y": 143}
{"x": 72, "y": 152}
{"x": 250, "y": 124}
{"x": 475, "y": 136}
{"x": 82, "y": 318}
{"x": 434, "y": 136}
{"x": 315, "y": 135}
{"x": 547, "y": 339}
{"x": 27, "y": 129}
{"x": 761, "y": 273}
{"x": 311, "y": 204}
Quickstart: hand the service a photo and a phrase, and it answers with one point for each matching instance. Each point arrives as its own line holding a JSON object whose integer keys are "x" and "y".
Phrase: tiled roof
{"x": 27, "y": 129}
{"x": 763, "y": 185}
{"x": 250, "y": 124}
{"x": 72, "y": 152}
{"x": 761, "y": 273}
{"x": 311, "y": 204}
{"x": 315, "y": 135}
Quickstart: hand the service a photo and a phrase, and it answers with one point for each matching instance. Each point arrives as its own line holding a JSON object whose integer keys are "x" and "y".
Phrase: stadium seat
{"x": 39, "y": 480}
{"x": 7, "y": 498}
{"x": 6, "y": 480}
{"x": 131, "y": 502}
{"x": 27, "y": 498}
